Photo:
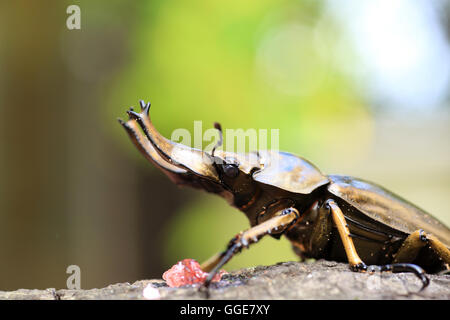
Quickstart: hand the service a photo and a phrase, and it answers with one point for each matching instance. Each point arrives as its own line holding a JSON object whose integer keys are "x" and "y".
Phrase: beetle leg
{"x": 209, "y": 264}
{"x": 403, "y": 267}
{"x": 312, "y": 241}
{"x": 356, "y": 264}
{"x": 321, "y": 232}
{"x": 416, "y": 241}
{"x": 282, "y": 220}
{"x": 339, "y": 220}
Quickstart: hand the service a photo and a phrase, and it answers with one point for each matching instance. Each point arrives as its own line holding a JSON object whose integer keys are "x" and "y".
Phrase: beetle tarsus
{"x": 246, "y": 238}
{"x": 359, "y": 267}
{"x": 204, "y": 289}
{"x": 231, "y": 250}
{"x": 408, "y": 267}
{"x": 397, "y": 268}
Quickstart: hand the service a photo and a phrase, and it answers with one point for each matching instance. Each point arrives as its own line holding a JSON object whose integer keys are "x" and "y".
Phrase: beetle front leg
{"x": 282, "y": 220}
{"x": 356, "y": 264}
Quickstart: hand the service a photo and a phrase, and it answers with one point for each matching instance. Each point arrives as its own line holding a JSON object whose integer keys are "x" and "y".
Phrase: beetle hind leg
{"x": 356, "y": 264}
{"x": 403, "y": 267}
{"x": 395, "y": 268}
{"x": 415, "y": 242}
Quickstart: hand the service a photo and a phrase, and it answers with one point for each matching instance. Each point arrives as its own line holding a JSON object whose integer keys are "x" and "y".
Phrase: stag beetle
{"x": 330, "y": 217}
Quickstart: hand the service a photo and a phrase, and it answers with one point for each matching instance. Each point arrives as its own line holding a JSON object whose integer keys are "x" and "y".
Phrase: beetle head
{"x": 235, "y": 176}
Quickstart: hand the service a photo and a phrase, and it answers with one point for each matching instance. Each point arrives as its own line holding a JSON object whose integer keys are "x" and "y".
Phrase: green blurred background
{"x": 357, "y": 87}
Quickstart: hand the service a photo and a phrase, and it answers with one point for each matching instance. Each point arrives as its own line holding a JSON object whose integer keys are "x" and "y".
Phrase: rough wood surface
{"x": 288, "y": 280}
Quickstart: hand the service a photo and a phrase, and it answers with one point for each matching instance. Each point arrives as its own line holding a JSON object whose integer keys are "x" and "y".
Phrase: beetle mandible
{"x": 332, "y": 217}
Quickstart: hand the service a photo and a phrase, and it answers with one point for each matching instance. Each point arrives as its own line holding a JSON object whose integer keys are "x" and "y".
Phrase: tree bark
{"x": 287, "y": 280}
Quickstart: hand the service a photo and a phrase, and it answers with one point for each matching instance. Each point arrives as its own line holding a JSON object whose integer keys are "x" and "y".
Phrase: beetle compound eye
{"x": 231, "y": 170}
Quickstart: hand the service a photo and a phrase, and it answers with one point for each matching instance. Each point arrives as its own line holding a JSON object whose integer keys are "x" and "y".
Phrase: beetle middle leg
{"x": 344, "y": 233}
{"x": 279, "y": 223}
{"x": 356, "y": 264}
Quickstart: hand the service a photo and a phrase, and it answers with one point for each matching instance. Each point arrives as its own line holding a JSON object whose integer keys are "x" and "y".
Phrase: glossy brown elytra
{"x": 331, "y": 217}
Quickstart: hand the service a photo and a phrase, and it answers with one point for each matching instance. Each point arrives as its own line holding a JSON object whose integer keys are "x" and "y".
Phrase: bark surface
{"x": 287, "y": 280}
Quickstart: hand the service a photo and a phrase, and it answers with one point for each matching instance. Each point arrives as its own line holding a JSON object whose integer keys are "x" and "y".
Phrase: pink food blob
{"x": 188, "y": 271}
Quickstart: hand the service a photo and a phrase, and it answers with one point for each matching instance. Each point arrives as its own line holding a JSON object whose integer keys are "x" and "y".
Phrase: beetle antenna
{"x": 219, "y": 143}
